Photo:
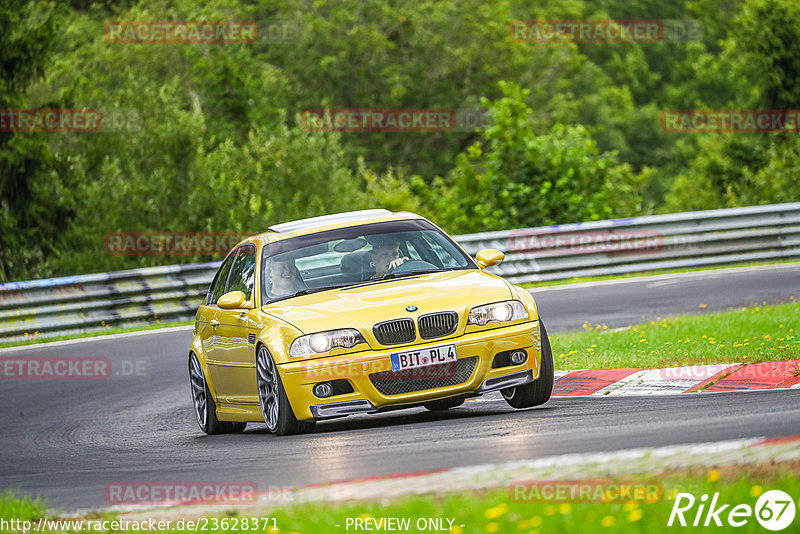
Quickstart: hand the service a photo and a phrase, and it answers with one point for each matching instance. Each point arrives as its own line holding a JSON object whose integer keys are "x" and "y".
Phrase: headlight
{"x": 510, "y": 310}
{"x": 325, "y": 341}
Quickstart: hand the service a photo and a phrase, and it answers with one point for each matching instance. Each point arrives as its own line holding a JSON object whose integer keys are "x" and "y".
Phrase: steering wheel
{"x": 412, "y": 265}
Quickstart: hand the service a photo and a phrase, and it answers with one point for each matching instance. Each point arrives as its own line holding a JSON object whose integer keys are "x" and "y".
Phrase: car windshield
{"x": 357, "y": 254}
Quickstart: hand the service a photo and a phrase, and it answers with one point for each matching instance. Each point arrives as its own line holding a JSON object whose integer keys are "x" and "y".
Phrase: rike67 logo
{"x": 774, "y": 510}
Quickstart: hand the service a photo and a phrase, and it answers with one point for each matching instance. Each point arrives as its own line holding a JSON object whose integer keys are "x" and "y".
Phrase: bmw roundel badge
{"x": 411, "y": 308}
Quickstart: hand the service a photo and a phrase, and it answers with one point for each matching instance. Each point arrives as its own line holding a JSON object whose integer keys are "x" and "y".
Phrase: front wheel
{"x": 275, "y": 406}
{"x": 539, "y": 391}
{"x": 205, "y": 409}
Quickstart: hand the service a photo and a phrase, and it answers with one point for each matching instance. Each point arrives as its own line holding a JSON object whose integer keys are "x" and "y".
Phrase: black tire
{"x": 205, "y": 409}
{"x": 275, "y": 407}
{"x": 539, "y": 391}
{"x": 444, "y": 404}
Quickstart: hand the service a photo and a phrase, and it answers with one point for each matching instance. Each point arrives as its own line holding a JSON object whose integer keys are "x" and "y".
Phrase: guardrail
{"x": 677, "y": 240}
{"x": 97, "y": 302}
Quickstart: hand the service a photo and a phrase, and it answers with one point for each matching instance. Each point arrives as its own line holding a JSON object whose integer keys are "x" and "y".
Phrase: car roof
{"x": 311, "y": 225}
{"x": 326, "y": 220}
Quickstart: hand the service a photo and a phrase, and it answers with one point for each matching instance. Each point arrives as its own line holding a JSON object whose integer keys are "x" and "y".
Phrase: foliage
{"x": 737, "y": 169}
{"x": 206, "y": 137}
{"x": 29, "y": 213}
{"x": 523, "y": 179}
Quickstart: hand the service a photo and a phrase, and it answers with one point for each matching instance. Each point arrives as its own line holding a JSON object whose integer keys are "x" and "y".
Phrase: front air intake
{"x": 437, "y": 324}
{"x": 395, "y": 332}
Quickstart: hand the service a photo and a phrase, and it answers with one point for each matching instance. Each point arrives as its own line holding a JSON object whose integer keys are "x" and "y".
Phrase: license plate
{"x": 423, "y": 357}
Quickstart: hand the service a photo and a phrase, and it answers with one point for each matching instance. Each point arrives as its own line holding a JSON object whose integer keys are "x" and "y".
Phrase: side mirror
{"x": 233, "y": 300}
{"x": 488, "y": 257}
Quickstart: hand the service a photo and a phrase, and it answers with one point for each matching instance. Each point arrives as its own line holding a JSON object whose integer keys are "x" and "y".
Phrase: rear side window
{"x": 243, "y": 271}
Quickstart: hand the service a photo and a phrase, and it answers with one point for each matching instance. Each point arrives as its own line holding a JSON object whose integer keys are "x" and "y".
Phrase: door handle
{"x": 214, "y": 323}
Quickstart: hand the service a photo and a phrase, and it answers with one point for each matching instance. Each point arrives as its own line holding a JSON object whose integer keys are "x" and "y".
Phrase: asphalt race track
{"x": 65, "y": 440}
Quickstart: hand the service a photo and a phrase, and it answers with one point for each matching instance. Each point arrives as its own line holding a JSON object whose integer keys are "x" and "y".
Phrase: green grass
{"x": 498, "y": 511}
{"x": 12, "y": 507}
{"x": 761, "y": 333}
{"x": 109, "y": 330}
{"x": 579, "y": 279}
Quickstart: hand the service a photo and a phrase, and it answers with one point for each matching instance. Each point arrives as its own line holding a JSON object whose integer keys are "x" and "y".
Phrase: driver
{"x": 284, "y": 278}
{"x": 385, "y": 256}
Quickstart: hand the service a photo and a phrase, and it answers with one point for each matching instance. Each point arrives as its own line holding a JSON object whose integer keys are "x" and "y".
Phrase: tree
{"x": 521, "y": 179}
{"x": 734, "y": 169}
{"x": 30, "y": 216}
{"x": 425, "y": 54}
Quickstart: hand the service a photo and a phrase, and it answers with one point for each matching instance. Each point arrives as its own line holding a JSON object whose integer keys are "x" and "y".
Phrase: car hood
{"x": 364, "y": 305}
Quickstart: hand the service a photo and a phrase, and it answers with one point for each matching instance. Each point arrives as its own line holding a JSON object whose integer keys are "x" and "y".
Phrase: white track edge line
{"x": 651, "y": 278}
{"x": 95, "y": 338}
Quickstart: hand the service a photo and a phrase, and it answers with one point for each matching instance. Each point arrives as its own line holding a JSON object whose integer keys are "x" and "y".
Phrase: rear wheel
{"x": 444, "y": 404}
{"x": 205, "y": 409}
{"x": 539, "y": 391}
{"x": 275, "y": 406}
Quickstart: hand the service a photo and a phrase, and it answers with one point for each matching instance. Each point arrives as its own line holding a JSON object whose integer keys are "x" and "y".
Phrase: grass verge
{"x": 510, "y": 509}
{"x": 755, "y": 334}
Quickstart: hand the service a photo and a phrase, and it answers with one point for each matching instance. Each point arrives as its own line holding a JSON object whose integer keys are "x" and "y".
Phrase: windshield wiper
{"x": 409, "y": 273}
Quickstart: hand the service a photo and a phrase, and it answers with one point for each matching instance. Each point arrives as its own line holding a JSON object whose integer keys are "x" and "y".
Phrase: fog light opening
{"x": 518, "y": 356}
{"x": 323, "y": 390}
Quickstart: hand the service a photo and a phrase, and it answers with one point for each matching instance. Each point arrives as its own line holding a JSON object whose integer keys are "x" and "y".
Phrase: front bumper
{"x": 300, "y": 377}
{"x": 341, "y": 409}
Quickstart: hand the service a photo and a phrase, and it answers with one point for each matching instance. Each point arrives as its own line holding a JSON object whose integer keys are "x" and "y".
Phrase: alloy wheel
{"x": 198, "y": 382}
{"x": 268, "y": 388}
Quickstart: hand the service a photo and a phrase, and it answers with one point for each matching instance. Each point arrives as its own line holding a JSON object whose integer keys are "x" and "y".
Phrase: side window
{"x": 217, "y": 288}
{"x": 243, "y": 272}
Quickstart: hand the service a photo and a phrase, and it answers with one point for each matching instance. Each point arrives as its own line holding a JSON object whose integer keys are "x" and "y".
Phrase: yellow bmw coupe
{"x": 359, "y": 312}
